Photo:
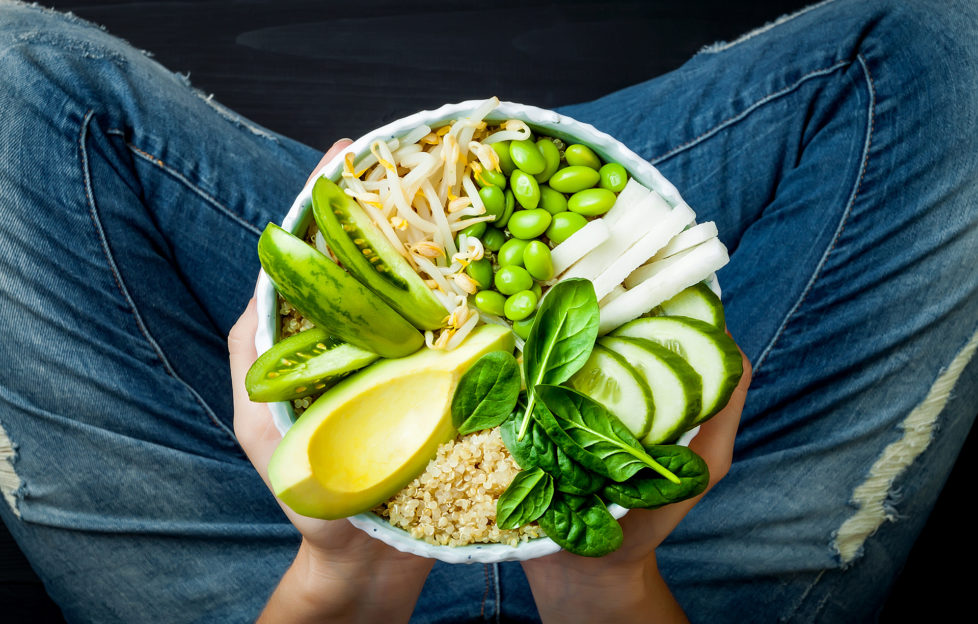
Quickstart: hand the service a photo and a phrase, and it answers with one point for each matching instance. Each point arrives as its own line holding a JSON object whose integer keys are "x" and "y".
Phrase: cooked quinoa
{"x": 453, "y": 502}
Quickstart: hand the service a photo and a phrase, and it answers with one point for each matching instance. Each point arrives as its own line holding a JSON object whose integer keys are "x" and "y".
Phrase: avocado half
{"x": 375, "y": 431}
{"x": 366, "y": 253}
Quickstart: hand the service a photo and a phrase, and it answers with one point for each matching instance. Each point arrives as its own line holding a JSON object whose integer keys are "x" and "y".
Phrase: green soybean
{"x": 525, "y": 189}
{"x": 510, "y": 205}
{"x": 527, "y": 156}
{"x": 490, "y": 177}
{"x": 613, "y": 177}
{"x": 552, "y": 201}
{"x": 551, "y": 156}
{"x": 493, "y": 239}
{"x": 522, "y": 327}
{"x": 481, "y": 271}
{"x": 591, "y": 202}
{"x": 490, "y": 302}
{"x": 520, "y": 305}
{"x": 476, "y": 229}
{"x": 512, "y": 279}
{"x": 494, "y": 199}
{"x": 505, "y": 160}
{"x": 537, "y": 260}
{"x": 563, "y": 225}
{"x": 527, "y": 224}
{"x": 582, "y": 155}
{"x": 574, "y": 178}
{"x": 537, "y": 290}
{"x": 511, "y": 253}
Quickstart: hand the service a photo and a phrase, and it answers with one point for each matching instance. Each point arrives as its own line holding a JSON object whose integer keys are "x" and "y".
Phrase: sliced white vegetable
{"x": 659, "y": 284}
{"x": 643, "y": 249}
{"x": 633, "y": 193}
{"x": 640, "y": 220}
{"x": 686, "y": 239}
{"x": 579, "y": 244}
{"x": 617, "y": 290}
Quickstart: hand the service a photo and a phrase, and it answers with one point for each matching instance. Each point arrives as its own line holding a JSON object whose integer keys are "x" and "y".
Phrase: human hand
{"x": 339, "y": 570}
{"x": 570, "y": 588}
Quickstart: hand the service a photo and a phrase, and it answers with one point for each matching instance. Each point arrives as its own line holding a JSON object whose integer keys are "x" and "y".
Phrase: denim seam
{"x": 485, "y": 594}
{"x": 870, "y": 126}
{"x": 750, "y": 109}
{"x": 182, "y": 179}
{"x": 117, "y": 276}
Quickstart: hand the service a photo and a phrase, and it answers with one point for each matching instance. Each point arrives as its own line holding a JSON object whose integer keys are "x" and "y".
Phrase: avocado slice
{"x": 366, "y": 253}
{"x": 373, "y": 432}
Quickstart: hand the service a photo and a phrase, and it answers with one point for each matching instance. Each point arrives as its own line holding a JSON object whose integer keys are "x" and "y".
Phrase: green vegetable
{"x": 591, "y": 202}
{"x": 522, "y": 327}
{"x": 592, "y": 435}
{"x": 304, "y": 364}
{"x": 537, "y": 260}
{"x": 493, "y": 239}
{"x": 490, "y": 302}
{"x": 508, "y": 212}
{"x": 581, "y": 525}
{"x": 330, "y": 297}
{"x": 526, "y": 499}
{"x": 494, "y": 199}
{"x": 648, "y": 490}
{"x": 365, "y": 252}
{"x": 490, "y": 177}
{"x": 520, "y": 305}
{"x": 527, "y": 156}
{"x": 481, "y": 271}
{"x": 613, "y": 177}
{"x": 573, "y": 179}
{"x": 525, "y": 189}
{"x": 563, "y": 225}
{"x": 505, "y": 160}
{"x": 511, "y": 279}
{"x": 475, "y": 230}
{"x": 528, "y": 224}
{"x": 552, "y": 201}
{"x": 581, "y": 155}
{"x": 511, "y": 253}
{"x": 551, "y": 156}
{"x": 486, "y": 393}
{"x": 561, "y": 338}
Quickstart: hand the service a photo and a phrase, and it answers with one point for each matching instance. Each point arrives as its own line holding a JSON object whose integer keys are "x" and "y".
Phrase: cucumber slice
{"x": 710, "y": 351}
{"x": 698, "y": 302}
{"x": 675, "y": 385}
{"x": 307, "y": 363}
{"x": 608, "y": 379}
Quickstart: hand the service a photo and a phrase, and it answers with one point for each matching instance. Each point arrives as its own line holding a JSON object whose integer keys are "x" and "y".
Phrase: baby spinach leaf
{"x": 561, "y": 338}
{"x": 537, "y": 449}
{"x": 648, "y": 490}
{"x": 581, "y": 525}
{"x": 591, "y": 435}
{"x": 486, "y": 393}
{"x": 525, "y": 500}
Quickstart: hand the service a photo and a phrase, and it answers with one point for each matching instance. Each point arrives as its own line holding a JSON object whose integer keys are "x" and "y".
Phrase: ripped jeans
{"x": 836, "y": 151}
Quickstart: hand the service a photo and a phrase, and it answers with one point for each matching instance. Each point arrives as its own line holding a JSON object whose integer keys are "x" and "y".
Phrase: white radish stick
{"x": 632, "y": 194}
{"x": 579, "y": 244}
{"x": 664, "y": 280}
{"x": 687, "y": 238}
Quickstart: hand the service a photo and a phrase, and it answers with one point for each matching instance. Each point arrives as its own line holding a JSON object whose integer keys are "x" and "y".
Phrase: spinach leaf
{"x": 647, "y": 490}
{"x": 525, "y": 500}
{"x": 581, "y": 525}
{"x": 561, "y": 338}
{"x": 486, "y": 393}
{"x": 591, "y": 435}
{"x": 537, "y": 449}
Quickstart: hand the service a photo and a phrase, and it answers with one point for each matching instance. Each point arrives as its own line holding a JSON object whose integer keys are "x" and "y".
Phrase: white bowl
{"x": 549, "y": 123}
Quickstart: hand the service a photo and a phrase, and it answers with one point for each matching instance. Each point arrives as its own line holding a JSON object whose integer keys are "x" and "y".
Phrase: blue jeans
{"x": 835, "y": 150}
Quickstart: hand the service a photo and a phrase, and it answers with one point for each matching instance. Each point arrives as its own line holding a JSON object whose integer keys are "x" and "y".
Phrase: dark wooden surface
{"x": 320, "y": 71}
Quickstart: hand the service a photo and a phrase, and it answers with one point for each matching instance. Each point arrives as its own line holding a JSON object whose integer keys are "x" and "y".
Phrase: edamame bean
{"x": 511, "y": 253}
{"x": 573, "y": 179}
{"x": 493, "y": 239}
{"x": 523, "y": 326}
{"x": 537, "y": 260}
{"x": 481, "y": 271}
{"x": 525, "y": 189}
{"x": 494, "y": 199}
{"x": 511, "y": 279}
{"x": 527, "y": 156}
{"x": 520, "y": 305}
{"x": 490, "y": 177}
{"x": 552, "y": 201}
{"x": 613, "y": 177}
{"x": 551, "y": 156}
{"x": 527, "y": 224}
{"x": 591, "y": 202}
{"x": 563, "y": 225}
{"x": 537, "y": 290}
{"x": 490, "y": 302}
{"x": 582, "y": 155}
{"x": 476, "y": 229}
{"x": 505, "y": 160}
{"x": 508, "y": 210}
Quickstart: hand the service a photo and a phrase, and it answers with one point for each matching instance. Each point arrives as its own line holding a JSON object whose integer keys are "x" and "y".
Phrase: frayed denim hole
{"x": 11, "y": 485}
